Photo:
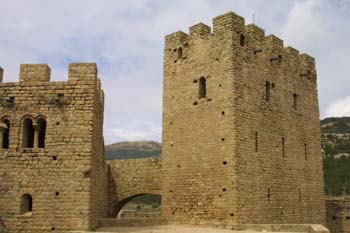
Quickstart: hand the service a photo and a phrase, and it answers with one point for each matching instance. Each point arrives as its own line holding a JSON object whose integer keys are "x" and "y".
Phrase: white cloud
{"x": 306, "y": 26}
{"x": 318, "y": 27}
{"x": 339, "y": 108}
{"x": 135, "y": 131}
{"x": 126, "y": 39}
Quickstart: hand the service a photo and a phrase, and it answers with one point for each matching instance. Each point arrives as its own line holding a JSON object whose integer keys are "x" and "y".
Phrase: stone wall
{"x": 130, "y": 178}
{"x": 62, "y": 172}
{"x": 338, "y": 214}
{"x": 241, "y": 135}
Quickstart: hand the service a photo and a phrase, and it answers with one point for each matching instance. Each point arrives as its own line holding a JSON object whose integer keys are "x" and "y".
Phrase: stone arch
{"x": 118, "y": 205}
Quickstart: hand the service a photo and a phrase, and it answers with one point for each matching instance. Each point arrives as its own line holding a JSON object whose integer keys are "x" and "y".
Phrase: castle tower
{"x": 52, "y": 172}
{"x": 241, "y": 133}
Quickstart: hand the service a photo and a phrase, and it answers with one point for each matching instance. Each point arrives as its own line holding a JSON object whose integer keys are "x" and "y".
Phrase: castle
{"x": 241, "y": 139}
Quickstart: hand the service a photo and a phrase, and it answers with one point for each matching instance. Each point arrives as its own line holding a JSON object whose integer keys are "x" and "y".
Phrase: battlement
{"x": 229, "y": 22}
{"x": 82, "y": 80}
{"x": 32, "y": 73}
{"x": 273, "y": 41}
{"x": 231, "y": 27}
{"x": 200, "y": 30}
{"x": 82, "y": 70}
{"x": 254, "y": 33}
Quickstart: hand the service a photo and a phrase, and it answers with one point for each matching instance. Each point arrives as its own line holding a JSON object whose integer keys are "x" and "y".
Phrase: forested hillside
{"x": 336, "y": 149}
{"x": 132, "y": 150}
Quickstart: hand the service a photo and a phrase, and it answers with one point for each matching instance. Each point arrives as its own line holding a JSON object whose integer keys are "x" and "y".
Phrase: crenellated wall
{"x": 241, "y": 135}
{"x": 241, "y": 139}
{"x": 66, "y": 177}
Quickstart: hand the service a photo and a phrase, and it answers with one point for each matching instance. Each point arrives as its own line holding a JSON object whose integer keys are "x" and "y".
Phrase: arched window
{"x": 41, "y": 131}
{"x": 26, "y": 203}
{"x": 179, "y": 53}
{"x": 5, "y": 133}
{"x": 267, "y": 91}
{"x": 28, "y": 133}
{"x": 202, "y": 88}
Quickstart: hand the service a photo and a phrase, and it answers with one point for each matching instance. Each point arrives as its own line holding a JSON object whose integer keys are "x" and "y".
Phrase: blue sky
{"x": 126, "y": 39}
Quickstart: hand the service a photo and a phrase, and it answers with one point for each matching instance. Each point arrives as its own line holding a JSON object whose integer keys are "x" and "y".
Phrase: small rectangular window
{"x": 299, "y": 194}
{"x": 283, "y": 147}
{"x": 256, "y": 142}
{"x": 268, "y": 195}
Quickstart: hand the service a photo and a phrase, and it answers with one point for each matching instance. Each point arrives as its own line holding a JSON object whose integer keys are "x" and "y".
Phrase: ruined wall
{"x": 338, "y": 214}
{"x": 244, "y": 145}
{"x": 63, "y": 175}
{"x": 130, "y": 178}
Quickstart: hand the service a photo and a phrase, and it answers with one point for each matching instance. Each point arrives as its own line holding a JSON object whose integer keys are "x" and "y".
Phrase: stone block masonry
{"x": 241, "y": 139}
{"x": 53, "y": 177}
{"x": 338, "y": 214}
{"x": 241, "y": 134}
{"x": 131, "y": 178}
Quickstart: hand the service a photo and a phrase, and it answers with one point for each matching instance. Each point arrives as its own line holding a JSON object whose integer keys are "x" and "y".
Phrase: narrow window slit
{"x": 256, "y": 142}
{"x": 202, "y": 88}
{"x": 267, "y": 91}
{"x": 305, "y": 151}
{"x": 179, "y": 53}
{"x": 242, "y": 40}
{"x": 295, "y": 101}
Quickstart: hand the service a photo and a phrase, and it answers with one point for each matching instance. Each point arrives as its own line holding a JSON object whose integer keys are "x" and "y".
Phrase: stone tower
{"x": 52, "y": 172}
{"x": 241, "y": 133}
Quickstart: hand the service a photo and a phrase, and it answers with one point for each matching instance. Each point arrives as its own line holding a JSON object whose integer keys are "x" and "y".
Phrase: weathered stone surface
{"x": 338, "y": 214}
{"x": 130, "y": 178}
{"x": 247, "y": 148}
{"x": 241, "y": 139}
{"x": 66, "y": 177}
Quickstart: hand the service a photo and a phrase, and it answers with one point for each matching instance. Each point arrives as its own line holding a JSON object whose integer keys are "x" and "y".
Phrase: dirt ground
{"x": 170, "y": 229}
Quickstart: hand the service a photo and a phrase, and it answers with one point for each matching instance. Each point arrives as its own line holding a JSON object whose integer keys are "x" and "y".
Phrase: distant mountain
{"x": 130, "y": 150}
{"x": 336, "y": 136}
{"x": 336, "y": 150}
{"x": 338, "y": 125}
